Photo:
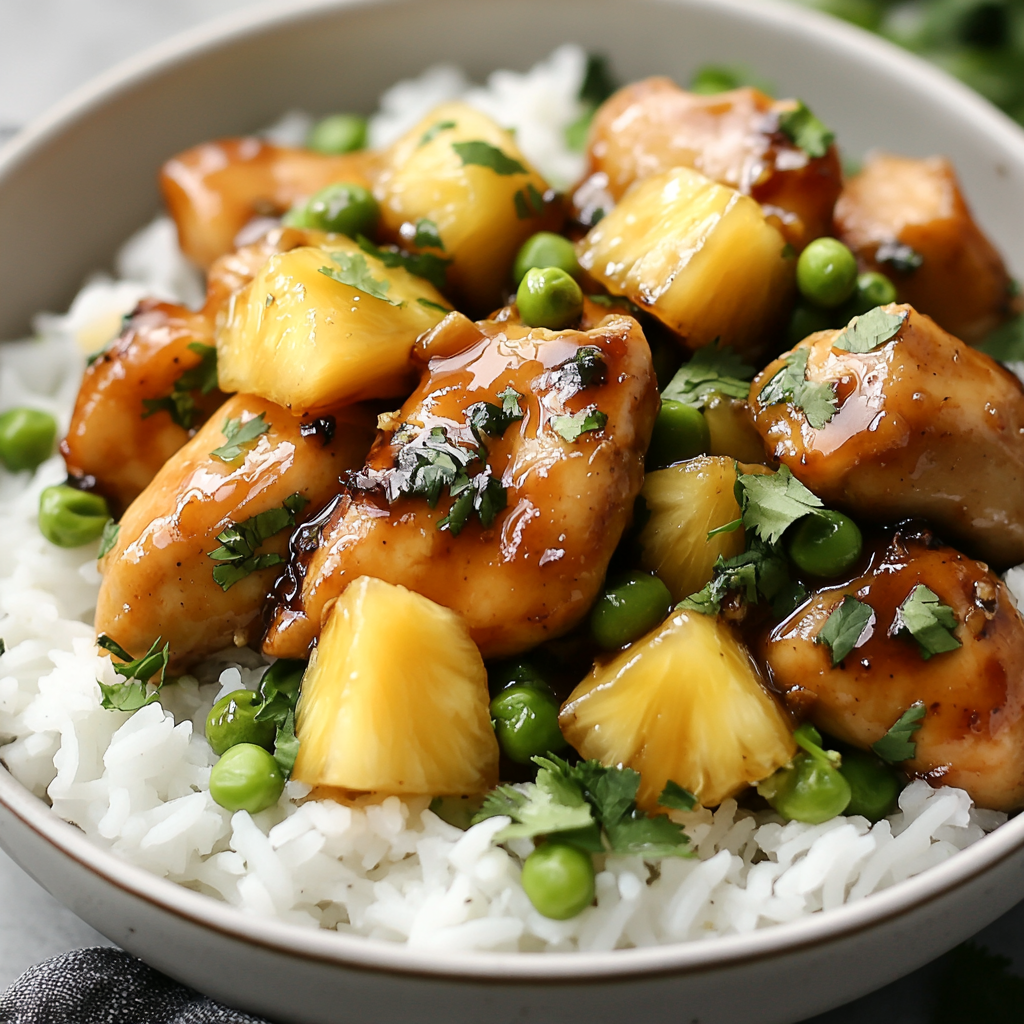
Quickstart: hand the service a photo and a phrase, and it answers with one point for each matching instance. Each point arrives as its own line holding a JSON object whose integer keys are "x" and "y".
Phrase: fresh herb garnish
{"x": 586, "y": 367}
{"x": 772, "y": 502}
{"x": 583, "y": 422}
{"x": 676, "y": 798}
{"x": 924, "y": 617}
{"x": 529, "y": 202}
{"x": 482, "y": 494}
{"x": 427, "y": 265}
{"x": 494, "y": 420}
{"x": 427, "y": 304}
{"x": 434, "y": 130}
{"x": 133, "y": 693}
{"x": 279, "y": 693}
{"x": 598, "y": 84}
{"x": 869, "y": 330}
{"x": 759, "y": 571}
{"x": 482, "y": 154}
{"x": 589, "y": 805}
{"x": 427, "y": 236}
{"x": 790, "y": 384}
{"x": 901, "y": 258}
{"x": 180, "y": 404}
{"x": 712, "y": 370}
{"x": 1006, "y": 343}
{"x": 616, "y": 302}
{"x": 108, "y": 538}
{"x": 896, "y": 745}
{"x": 846, "y": 626}
{"x": 237, "y": 435}
{"x": 805, "y": 131}
{"x": 239, "y": 551}
{"x": 353, "y": 271}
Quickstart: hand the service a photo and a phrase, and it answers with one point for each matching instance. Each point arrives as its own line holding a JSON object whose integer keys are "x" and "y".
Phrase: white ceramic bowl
{"x": 76, "y": 183}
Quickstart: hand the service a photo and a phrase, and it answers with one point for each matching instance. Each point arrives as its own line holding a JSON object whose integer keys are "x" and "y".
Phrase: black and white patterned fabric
{"x": 107, "y": 986}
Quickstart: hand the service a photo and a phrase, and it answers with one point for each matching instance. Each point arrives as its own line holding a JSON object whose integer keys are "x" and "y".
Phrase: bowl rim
{"x": 373, "y": 955}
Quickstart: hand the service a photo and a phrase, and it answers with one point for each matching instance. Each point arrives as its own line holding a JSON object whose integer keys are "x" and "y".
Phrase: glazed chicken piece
{"x": 908, "y": 219}
{"x": 159, "y": 577}
{"x": 142, "y": 399}
{"x": 732, "y": 137}
{"x": 555, "y": 492}
{"x": 972, "y": 734}
{"x": 925, "y": 426}
{"x": 212, "y": 191}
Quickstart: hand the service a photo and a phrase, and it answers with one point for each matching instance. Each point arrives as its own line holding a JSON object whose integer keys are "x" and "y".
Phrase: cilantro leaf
{"x": 598, "y": 81}
{"x": 482, "y": 494}
{"x": 427, "y": 304}
{"x": 286, "y": 745}
{"x": 652, "y": 838}
{"x": 711, "y": 370}
{"x": 901, "y": 258}
{"x": 583, "y": 422}
{"x": 494, "y": 420}
{"x": 869, "y": 330}
{"x": 427, "y": 236}
{"x": 423, "y": 264}
{"x": 790, "y": 384}
{"x": 535, "y": 809}
{"x": 279, "y": 693}
{"x": 848, "y": 624}
{"x": 896, "y": 745}
{"x": 237, "y": 435}
{"x": 133, "y": 693}
{"x": 760, "y": 571}
{"x": 805, "y": 131}
{"x": 240, "y": 543}
{"x": 772, "y": 502}
{"x": 108, "y": 538}
{"x": 924, "y": 617}
{"x": 529, "y": 202}
{"x": 434, "y": 130}
{"x": 616, "y": 302}
{"x": 180, "y": 404}
{"x": 586, "y": 367}
{"x": 482, "y": 154}
{"x": 1006, "y": 343}
{"x": 352, "y": 270}
{"x": 510, "y": 403}
{"x": 677, "y": 798}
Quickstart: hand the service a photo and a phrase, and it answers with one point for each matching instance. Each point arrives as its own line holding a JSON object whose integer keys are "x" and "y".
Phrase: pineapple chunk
{"x": 685, "y": 703}
{"x": 697, "y": 255}
{"x": 732, "y": 429}
{"x": 474, "y": 207}
{"x": 686, "y": 501}
{"x": 304, "y": 340}
{"x": 395, "y": 699}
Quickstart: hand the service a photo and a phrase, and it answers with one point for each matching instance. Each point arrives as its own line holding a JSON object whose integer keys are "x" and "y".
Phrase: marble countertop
{"x": 47, "y": 48}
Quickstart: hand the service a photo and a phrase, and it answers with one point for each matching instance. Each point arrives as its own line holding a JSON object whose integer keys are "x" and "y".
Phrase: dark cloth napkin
{"x": 107, "y": 986}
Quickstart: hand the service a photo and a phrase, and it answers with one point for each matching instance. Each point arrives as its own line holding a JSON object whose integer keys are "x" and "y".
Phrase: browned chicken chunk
{"x": 732, "y": 138}
{"x": 549, "y": 431}
{"x": 923, "y": 426}
{"x": 972, "y": 731}
{"x": 908, "y": 219}
{"x": 212, "y": 191}
{"x": 142, "y": 399}
{"x": 198, "y": 550}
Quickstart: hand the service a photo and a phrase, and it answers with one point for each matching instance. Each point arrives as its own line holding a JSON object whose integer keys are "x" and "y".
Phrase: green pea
{"x": 873, "y": 289}
{"x": 26, "y": 438}
{"x": 680, "y": 433}
{"x": 516, "y": 672}
{"x": 874, "y": 785}
{"x": 825, "y": 543}
{"x": 339, "y": 133}
{"x": 826, "y": 273}
{"x": 69, "y": 517}
{"x": 559, "y": 880}
{"x": 345, "y": 209}
{"x": 525, "y": 720}
{"x": 810, "y": 790}
{"x": 545, "y": 249}
{"x": 807, "y": 320}
{"x": 232, "y": 720}
{"x": 246, "y": 778}
{"x": 629, "y": 608}
{"x": 549, "y": 297}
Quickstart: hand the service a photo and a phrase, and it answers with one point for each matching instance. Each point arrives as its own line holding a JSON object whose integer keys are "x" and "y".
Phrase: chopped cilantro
{"x": 180, "y": 404}
{"x": 576, "y": 133}
{"x": 494, "y": 420}
{"x": 896, "y": 745}
{"x": 108, "y": 538}
{"x": 481, "y": 494}
{"x": 924, "y": 617}
{"x": 715, "y": 78}
{"x": 1006, "y": 343}
{"x": 239, "y": 551}
{"x": 427, "y": 235}
{"x": 712, "y": 370}
{"x": 353, "y": 271}
{"x": 583, "y": 422}
{"x": 482, "y": 154}
{"x": 286, "y": 745}
{"x": 760, "y": 571}
{"x": 805, "y": 131}
{"x": 772, "y": 502}
{"x": 598, "y": 81}
{"x": 677, "y": 798}
{"x": 869, "y": 330}
{"x": 434, "y": 130}
{"x": 427, "y": 304}
{"x": 423, "y": 264}
{"x": 426, "y": 465}
{"x": 616, "y": 302}
{"x": 529, "y": 202}
{"x": 847, "y": 625}
{"x": 510, "y": 403}
{"x": 279, "y": 693}
{"x": 3, "y": 647}
{"x": 237, "y": 435}
{"x": 586, "y": 367}
{"x": 790, "y": 384}
{"x": 901, "y": 258}
{"x": 133, "y": 693}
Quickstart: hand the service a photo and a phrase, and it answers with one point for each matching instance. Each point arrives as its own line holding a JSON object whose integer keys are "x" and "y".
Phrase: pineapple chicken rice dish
{"x": 542, "y": 516}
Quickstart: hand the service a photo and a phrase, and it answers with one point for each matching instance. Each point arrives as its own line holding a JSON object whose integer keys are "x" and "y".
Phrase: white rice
{"x": 387, "y": 869}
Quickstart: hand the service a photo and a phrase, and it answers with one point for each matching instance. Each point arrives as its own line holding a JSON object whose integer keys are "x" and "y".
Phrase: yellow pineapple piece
{"x": 686, "y": 502}
{"x": 699, "y": 256}
{"x": 732, "y": 429}
{"x": 395, "y": 699}
{"x": 685, "y": 703}
{"x": 457, "y": 169}
{"x": 307, "y": 341}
